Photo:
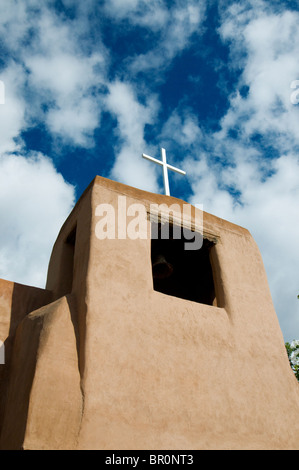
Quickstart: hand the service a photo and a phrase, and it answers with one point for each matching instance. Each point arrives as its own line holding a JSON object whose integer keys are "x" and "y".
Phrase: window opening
{"x": 182, "y": 273}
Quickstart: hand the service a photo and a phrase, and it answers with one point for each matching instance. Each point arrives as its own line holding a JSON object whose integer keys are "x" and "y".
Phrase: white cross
{"x": 165, "y": 166}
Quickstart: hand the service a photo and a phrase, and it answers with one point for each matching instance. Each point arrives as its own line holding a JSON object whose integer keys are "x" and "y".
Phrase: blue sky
{"x": 90, "y": 86}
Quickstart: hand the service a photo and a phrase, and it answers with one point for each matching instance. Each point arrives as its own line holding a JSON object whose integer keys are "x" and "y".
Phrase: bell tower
{"x": 149, "y": 342}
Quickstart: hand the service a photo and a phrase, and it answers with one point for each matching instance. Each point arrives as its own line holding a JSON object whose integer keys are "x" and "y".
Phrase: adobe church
{"x": 140, "y": 344}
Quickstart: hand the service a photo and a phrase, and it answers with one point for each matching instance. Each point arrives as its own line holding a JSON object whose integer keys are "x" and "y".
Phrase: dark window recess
{"x": 182, "y": 273}
{"x": 67, "y": 264}
{"x": 71, "y": 239}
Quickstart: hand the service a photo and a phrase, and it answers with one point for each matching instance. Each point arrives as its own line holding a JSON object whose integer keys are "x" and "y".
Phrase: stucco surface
{"x": 107, "y": 362}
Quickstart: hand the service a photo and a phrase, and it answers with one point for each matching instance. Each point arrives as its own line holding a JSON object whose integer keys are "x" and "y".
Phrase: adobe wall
{"x": 113, "y": 364}
{"x": 175, "y": 374}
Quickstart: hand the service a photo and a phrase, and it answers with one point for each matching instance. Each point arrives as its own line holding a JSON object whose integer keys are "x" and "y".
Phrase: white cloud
{"x": 34, "y": 202}
{"x": 174, "y": 26}
{"x": 16, "y": 17}
{"x": 69, "y": 79}
{"x": 271, "y": 64}
{"x": 132, "y": 116}
{"x": 190, "y": 132}
{"x": 138, "y": 12}
{"x": 271, "y": 213}
{"x": 75, "y": 122}
{"x": 12, "y": 112}
{"x": 66, "y": 79}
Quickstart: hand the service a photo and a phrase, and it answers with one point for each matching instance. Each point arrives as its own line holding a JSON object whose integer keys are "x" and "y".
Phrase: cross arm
{"x": 152, "y": 159}
{"x": 173, "y": 168}
{"x": 182, "y": 172}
